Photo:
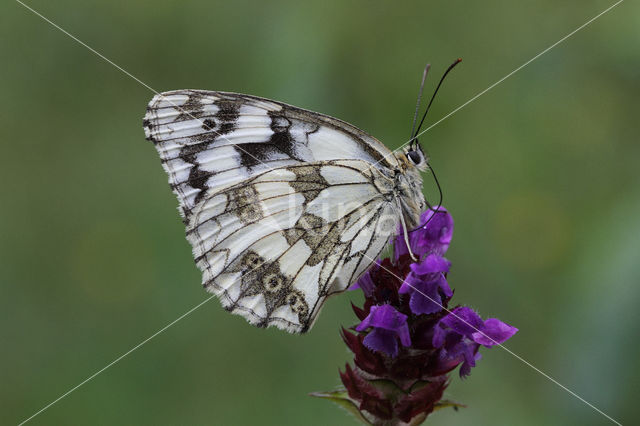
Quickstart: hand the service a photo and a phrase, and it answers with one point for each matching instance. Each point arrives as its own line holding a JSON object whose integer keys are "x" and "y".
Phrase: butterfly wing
{"x": 212, "y": 140}
{"x": 274, "y": 247}
{"x": 283, "y": 206}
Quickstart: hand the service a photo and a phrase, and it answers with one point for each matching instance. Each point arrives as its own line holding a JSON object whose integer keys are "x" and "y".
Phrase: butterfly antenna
{"x": 415, "y": 114}
{"x": 435, "y": 210}
{"x": 435, "y": 178}
{"x": 413, "y": 135}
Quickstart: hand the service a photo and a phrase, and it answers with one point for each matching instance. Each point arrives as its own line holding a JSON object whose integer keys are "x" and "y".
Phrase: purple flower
{"x": 365, "y": 282}
{"x": 432, "y": 264}
{"x": 408, "y": 301}
{"x": 432, "y": 236}
{"x": 461, "y": 332}
{"x": 495, "y": 332}
{"x": 388, "y": 325}
{"x": 426, "y": 283}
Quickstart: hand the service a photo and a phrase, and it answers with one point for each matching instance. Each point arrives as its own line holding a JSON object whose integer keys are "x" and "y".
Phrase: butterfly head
{"x": 413, "y": 151}
{"x": 416, "y": 156}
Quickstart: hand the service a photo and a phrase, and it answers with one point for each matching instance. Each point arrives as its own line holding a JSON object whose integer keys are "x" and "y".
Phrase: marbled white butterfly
{"x": 283, "y": 206}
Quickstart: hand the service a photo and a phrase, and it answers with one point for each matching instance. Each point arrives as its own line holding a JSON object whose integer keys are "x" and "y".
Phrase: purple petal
{"x": 405, "y": 337}
{"x": 411, "y": 282}
{"x": 457, "y": 347}
{"x": 493, "y": 332}
{"x": 381, "y": 340}
{"x": 469, "y": 353}
{"x": 439, "y": 336}
{"x": 426, "y": 299}
{"x": 436, "y": 231}
{"x": 452, "y": 345}
{"x": 384, "y": 316}
{"x": 431, "y": 264}
{"x": 465, "y": 368}
{"x": 365, "y": 282}
{"x": 366, "y": 323}
{"x": 421, "y": 305}
{"x": 433, "y": 235}
{"x": 444, "y": 286}
{"x": 463, "y": 320}
{"x": 388, "y": 325}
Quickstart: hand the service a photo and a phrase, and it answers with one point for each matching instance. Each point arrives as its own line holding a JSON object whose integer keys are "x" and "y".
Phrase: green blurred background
{"x": 540, "y": 175}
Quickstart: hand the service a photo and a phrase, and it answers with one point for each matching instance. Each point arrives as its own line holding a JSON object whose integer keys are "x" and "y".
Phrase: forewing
{"x": 209, "y": 141}
{"x": 275, "y": 246}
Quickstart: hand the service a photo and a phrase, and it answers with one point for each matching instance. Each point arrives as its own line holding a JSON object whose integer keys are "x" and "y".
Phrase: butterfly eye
{"x": 414, "y": 156}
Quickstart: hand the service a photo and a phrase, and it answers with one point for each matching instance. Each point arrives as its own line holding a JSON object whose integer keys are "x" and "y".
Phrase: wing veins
{"x": 324, "y": 287}
{"x": 365, "y": 251}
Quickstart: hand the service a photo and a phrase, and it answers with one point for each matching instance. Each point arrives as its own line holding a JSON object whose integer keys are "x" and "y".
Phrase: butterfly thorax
{"x": 408, "y": 188}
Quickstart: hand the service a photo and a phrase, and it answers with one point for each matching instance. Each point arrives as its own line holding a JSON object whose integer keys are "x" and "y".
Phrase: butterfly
{"x": 283, "y": 207}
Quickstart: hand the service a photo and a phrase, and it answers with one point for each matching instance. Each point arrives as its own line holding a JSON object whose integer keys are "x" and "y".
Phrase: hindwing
{"x": 274, "y": 247}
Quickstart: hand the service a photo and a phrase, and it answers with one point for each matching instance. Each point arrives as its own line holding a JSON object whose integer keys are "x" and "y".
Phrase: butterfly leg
{"x": 405, "y": 232}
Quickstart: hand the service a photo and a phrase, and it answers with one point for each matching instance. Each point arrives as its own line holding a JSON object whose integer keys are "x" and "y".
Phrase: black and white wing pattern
{"x": 274, "y": 247}
{"x": 212, "y": 140}
{"x": 283, "y": 206}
